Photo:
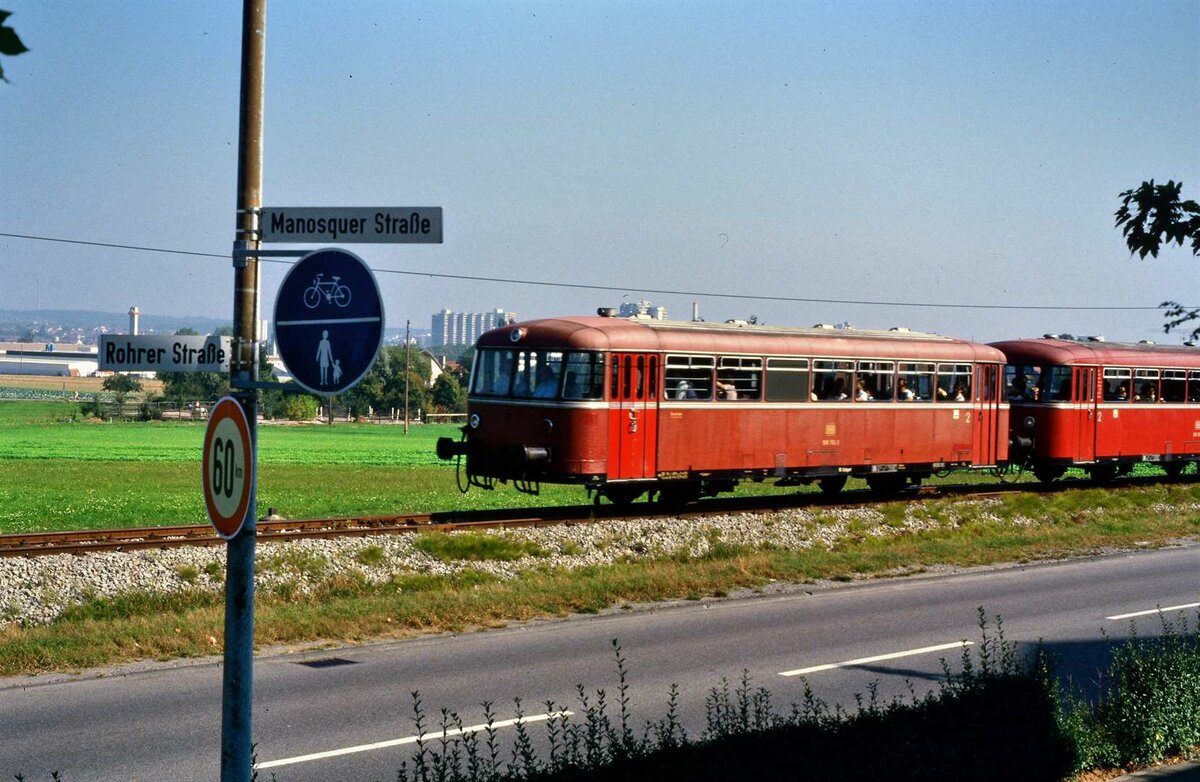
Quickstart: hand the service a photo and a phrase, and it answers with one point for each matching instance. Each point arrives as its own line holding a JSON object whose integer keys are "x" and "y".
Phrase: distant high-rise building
{"x": 461, "y": 329}
{"x": 642, "y": 309}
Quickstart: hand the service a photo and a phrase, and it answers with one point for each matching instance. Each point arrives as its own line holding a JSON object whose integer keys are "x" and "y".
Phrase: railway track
{"x": 81, "y": 542}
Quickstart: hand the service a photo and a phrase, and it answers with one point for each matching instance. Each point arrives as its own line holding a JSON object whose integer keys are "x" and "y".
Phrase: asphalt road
{"x": 156, "y": 722}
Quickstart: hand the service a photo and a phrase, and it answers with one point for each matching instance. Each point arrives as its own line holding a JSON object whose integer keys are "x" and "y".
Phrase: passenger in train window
{"x": 903, "y": 392}
{"x": 839, "y": 389}
{"x": 861, "y": 394}
{"x": 683, "y": 390}
{"x": 960, "y": 392}
{"x": 726, "y": 390}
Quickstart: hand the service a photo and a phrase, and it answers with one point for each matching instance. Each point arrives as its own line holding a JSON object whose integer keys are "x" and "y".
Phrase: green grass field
{"x": 58, "y": 472}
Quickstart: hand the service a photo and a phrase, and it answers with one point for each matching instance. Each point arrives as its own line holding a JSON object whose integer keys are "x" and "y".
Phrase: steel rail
{"x": 274, "y": 529}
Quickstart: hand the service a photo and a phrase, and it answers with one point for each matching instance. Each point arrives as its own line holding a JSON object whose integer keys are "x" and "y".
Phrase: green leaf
{"x": 10, "y": 43}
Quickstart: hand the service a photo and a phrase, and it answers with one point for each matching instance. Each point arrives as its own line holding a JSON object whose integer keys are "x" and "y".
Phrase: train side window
{"x": 689, "y": 377}
{"x": 1145, "y": 385}
{"x": 652, "y": 379}
{"x": 1194, "y": 386}
{"x": 953, "y": 382}
{"x": 583, "y": 376}
{"x": 787, "y": 379}
{"x": 874, "y": 382}
{"x": 739, "y": 378}
{"x": 833, "y": 381}
{"x": 915, "y": 383}
{"x": 1116, "y": 385}
{"x": 1174, "y": 385}
{"x": 492, "y": 372}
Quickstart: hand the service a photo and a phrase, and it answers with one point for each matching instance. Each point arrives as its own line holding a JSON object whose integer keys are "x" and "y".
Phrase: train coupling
{"x": 448, "y": 448}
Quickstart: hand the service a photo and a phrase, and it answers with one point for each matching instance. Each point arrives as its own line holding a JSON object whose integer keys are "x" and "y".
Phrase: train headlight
{"x": 474, "y": 420}
{"x": 547, "y": 426}
{"x": 1030, "y": 421}
{"x": 516, "y": 335}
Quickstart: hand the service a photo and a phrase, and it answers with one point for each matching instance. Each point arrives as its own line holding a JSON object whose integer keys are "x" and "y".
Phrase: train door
{"x": 633, "y": 404}
{"x": 1084, "y": 398}
{"x": 986, "y": 433}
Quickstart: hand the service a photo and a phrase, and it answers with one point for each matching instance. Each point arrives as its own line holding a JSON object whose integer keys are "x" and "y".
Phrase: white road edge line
{"x": 877, "y": 658}
{"x": 1153, "y": 611}
{"x": 410, "y": 740}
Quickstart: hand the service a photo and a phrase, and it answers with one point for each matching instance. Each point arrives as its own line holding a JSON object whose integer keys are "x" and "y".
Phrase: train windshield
{"x": 538, "y": 374}
{"x": 1022, "y": 383}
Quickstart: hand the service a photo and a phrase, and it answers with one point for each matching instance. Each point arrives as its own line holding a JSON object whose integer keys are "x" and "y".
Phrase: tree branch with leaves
{"x": 10, "y": 42}
{"x": 1152, "y": 215}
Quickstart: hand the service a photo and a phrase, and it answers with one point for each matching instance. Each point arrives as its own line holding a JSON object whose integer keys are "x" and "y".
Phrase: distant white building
{"x": 50, "y": 360}
{"x": 461, "y": 329}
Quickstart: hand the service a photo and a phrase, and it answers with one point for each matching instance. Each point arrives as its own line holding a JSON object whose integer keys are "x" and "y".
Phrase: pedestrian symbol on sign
{"x": 328, "y": 349}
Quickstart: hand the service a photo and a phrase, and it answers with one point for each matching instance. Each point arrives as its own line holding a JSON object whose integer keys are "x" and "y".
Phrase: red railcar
{"x": 1083, "y": 402}
{"x": 684, "y": 409}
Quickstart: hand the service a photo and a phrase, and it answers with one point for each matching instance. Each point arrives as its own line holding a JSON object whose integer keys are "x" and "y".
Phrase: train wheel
{"x": 887, "y": 484}
{"x": 1103, "y": 473}
{"x": 1047, "y": 473}
{"x": 1174, "y": 469}
{"x": 622, "y": 493}
{"x": 832, "y": 485}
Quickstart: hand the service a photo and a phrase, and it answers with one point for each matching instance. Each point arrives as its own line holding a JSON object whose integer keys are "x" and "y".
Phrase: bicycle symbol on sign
{"x": 330, "y": 289}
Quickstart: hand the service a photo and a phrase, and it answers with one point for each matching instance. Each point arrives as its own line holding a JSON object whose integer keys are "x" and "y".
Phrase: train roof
{"x": 1094, "y": 351}
{"x": 642, "y": 334}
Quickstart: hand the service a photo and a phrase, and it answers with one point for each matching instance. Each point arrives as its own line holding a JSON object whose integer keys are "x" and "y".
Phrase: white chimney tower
{"x": 134, "y": 315}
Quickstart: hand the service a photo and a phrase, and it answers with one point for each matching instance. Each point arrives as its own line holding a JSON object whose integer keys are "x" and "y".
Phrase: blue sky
{"x": 915, "y": 152}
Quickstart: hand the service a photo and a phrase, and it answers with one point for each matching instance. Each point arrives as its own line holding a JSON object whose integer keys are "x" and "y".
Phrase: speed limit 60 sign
{"x": 227, "y": 467}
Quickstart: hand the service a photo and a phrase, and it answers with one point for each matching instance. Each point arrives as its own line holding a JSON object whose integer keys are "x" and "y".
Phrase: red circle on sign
{"x": 228, "y": 432}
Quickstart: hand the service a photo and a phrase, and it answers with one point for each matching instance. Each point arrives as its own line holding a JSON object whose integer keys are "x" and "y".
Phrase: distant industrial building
{"x": 642, "y": 309}
{"x": 461, "y": 329}
{"x": 27, "y": 359}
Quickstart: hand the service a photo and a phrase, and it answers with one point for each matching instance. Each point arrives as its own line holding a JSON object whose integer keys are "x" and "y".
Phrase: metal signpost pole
{"x": 238, "y": 687}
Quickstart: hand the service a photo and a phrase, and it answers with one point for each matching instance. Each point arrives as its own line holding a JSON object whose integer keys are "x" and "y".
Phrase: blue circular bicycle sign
{"x": 329, "y": 321}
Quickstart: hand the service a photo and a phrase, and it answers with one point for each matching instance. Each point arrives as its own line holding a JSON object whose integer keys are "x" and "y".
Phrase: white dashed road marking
{"x": 877, "y": 658}
{"x": 333, "y": 753}
{"x": 1154, "y": 611}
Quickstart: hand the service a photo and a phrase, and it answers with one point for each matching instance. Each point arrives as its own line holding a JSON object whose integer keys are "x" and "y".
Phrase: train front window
{"x": 1022, "y": 382}
{"x": 1056, "y": 384}
{"x": 583, "y": 376}
{"x": 493, "y": 371}
{"x": 537, "y": 374}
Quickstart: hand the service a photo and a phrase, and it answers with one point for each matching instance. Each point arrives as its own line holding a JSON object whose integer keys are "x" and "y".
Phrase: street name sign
{"x": 328, "y": 321}
{"x": 153, "y": 353}
{"x": 351, "y": 224}
{"x": 227, "y": 467}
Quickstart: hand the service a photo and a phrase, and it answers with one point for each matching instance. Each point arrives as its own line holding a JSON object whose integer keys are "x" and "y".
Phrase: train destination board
{"x": 153, "y": 353}
{"x": 227, "y": 467}
{"x": 329, "y": 321}
{"x": 351, "y": 224}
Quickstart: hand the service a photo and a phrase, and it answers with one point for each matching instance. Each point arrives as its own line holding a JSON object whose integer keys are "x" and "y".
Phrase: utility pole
{"x": 238, "y": 685}
{"x": 407, "y": 323}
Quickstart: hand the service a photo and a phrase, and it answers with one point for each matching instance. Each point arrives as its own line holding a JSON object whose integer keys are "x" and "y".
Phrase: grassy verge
{"x": 341, "y": 604}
